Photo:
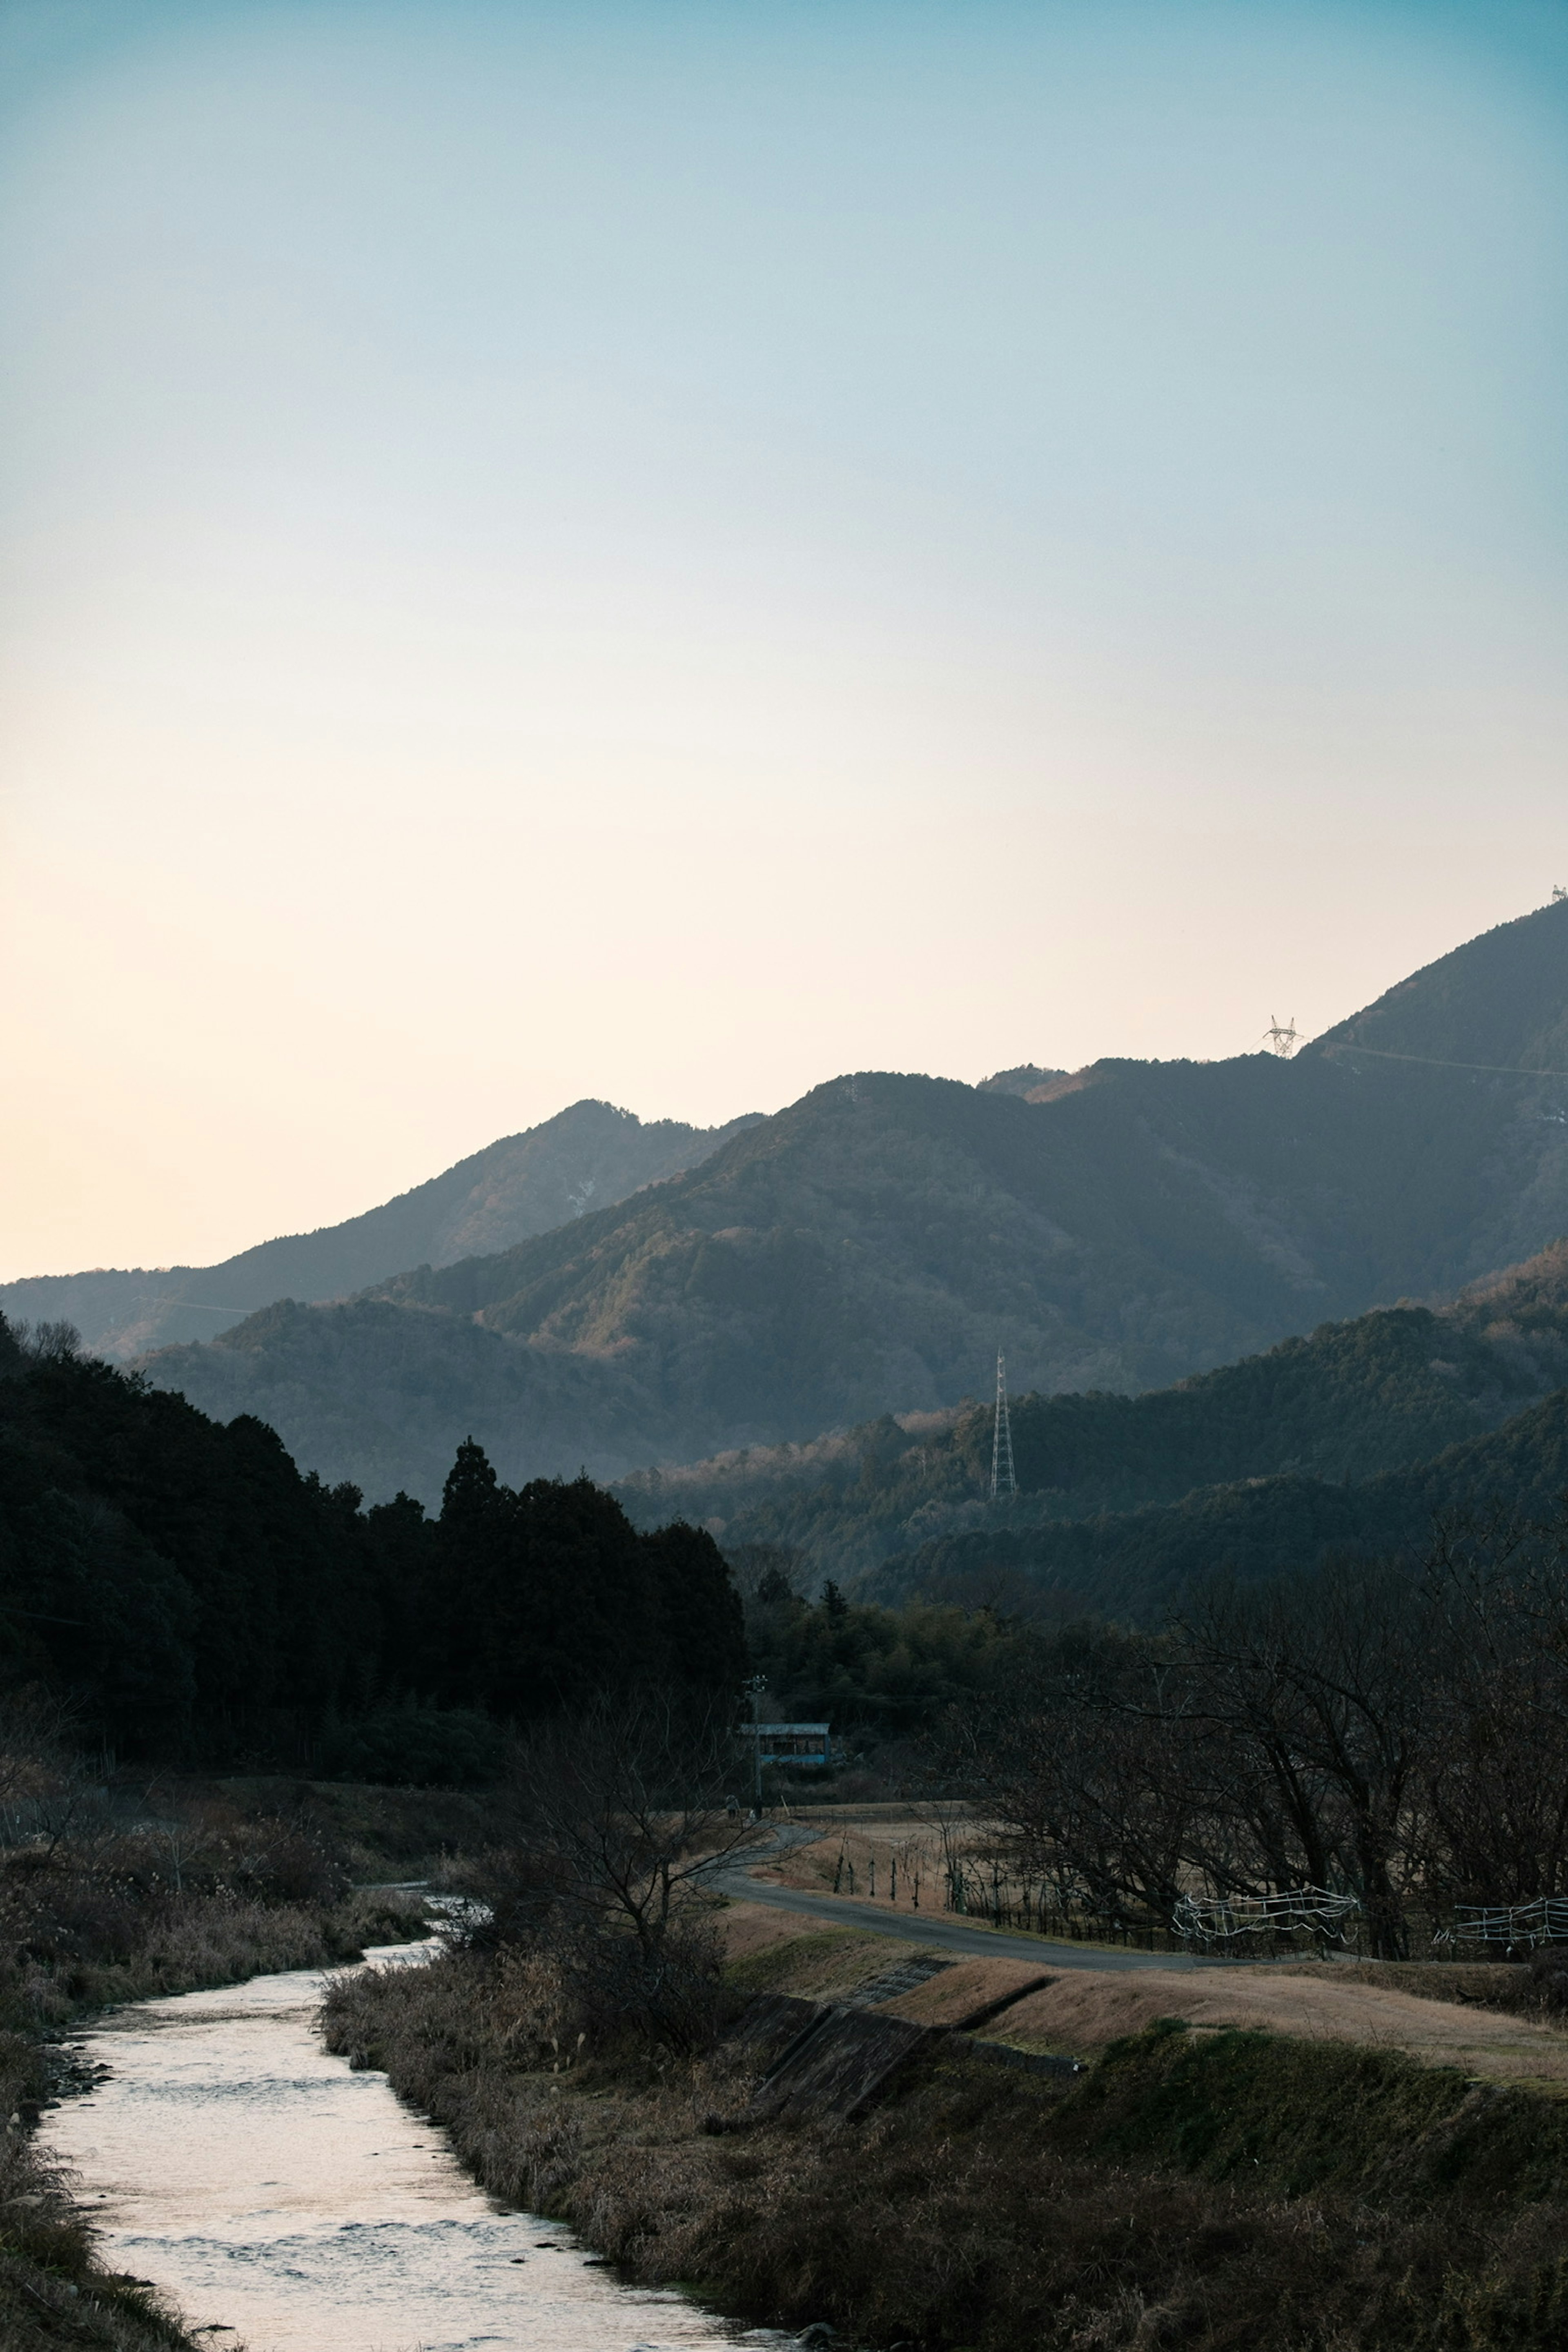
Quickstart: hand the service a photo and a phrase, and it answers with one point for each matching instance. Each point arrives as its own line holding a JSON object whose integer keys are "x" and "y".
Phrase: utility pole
{"x": 1003, "y": 1481}
{"x": 757, "y": 1687}
{"x": 1281, "y": 1036}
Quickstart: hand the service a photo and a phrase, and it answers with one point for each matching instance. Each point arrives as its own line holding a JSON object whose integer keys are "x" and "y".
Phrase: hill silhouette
{"x": 584, "y": 1157}
{"x": 870, "y": 1247}
{"x": 1499, "y": 1003}
{"x": 1386, "y": 1391}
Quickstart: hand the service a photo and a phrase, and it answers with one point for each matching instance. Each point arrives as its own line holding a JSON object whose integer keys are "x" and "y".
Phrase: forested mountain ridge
{"x": 1350, "y": 1402}
{"x": 1498, "y": 1002}
{"x": 587, "y": 1156}
{"x": 869, "y": 1248}
{"x": 1136, "y": 1566}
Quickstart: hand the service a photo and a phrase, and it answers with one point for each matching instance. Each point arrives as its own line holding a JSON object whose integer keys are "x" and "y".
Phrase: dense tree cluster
{"x": 200, "y": 1598}
{"x": 875, "y": 1674}
{"x": 1138, "y": 1566}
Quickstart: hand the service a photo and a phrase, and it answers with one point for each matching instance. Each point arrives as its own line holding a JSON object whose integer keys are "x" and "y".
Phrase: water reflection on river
{"x": 293, "y": 2206}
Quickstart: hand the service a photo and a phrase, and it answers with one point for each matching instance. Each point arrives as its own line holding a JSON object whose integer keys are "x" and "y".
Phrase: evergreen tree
{"x": 700, "y": 1609}
{"x": 206, "y": 1603}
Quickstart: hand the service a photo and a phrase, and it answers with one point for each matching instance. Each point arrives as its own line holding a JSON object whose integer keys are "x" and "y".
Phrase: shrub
{"x": 1548, "y": 1974}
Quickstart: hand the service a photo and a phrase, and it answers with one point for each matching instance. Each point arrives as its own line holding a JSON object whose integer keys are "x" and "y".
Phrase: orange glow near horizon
{"x": 669, "y": 567}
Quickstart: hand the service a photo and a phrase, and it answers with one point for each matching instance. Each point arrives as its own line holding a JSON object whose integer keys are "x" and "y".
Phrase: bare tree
{"x": 619, "y": 1814}
{"x": 1089, "y": 1769}
{"x": 1496, "y": 1782}
{"x": 1369, "y": 1727}
{"x": 1328, "y": 1678}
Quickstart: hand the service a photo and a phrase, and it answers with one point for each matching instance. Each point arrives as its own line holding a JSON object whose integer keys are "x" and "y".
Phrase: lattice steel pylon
{"x": 1003, "y": 1481}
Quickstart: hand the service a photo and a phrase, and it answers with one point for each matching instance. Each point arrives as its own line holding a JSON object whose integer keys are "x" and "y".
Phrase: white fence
{"x": 1545, "y": 1921}
{"x": 1205, "y": 1922}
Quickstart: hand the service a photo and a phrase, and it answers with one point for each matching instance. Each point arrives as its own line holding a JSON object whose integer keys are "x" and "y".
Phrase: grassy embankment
{"x": 1218, "y": 2187}
{"x": 230, "y": 1881}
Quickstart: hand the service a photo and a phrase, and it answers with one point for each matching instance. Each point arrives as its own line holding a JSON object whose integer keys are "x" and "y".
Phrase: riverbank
{"x": 1220, "y": 2188}
{"x": 113, "y": 1897}
{"x": 55, "y": 2294}
{"x": 299, "y": 2207}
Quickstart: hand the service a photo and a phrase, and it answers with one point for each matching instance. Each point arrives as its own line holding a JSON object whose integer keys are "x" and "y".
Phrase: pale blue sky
{"x": 668, "y": 552}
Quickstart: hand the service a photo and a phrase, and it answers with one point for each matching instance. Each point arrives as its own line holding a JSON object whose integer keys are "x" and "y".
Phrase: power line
{"x": 1491, "y": 1069}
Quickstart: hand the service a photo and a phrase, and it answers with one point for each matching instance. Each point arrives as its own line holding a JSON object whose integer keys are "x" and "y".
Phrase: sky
{"x": 669, "y": 551}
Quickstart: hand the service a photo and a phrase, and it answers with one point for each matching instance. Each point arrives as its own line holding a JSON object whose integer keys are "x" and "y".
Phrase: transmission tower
{"x": 1281, "y": 1036}
{"x": 1003, "y": 1481}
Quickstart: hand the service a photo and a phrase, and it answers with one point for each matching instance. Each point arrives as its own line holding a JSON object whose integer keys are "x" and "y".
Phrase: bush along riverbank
{"x": 113, "y": 1892}
{"x": 1220, "y": 2189}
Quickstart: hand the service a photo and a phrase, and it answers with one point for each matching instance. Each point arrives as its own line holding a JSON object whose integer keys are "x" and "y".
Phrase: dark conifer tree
{"x": 699, "y": 1611}
{"x": 402, "y": 1547}
{"x": 579, "y": 1612}
{"x": 466, "y": 1592}
{"x": 206, "y": 1603}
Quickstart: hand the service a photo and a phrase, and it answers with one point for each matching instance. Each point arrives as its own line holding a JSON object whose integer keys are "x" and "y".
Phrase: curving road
{"x": 939, "y": 1931}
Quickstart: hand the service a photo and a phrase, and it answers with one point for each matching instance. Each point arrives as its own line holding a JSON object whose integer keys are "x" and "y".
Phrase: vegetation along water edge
{"x": 124, "y": 1889}
{"x": 1218, "y": 2188}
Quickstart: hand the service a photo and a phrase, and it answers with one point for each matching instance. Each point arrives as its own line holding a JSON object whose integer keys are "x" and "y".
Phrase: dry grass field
{"x": 1082, "y": 2010}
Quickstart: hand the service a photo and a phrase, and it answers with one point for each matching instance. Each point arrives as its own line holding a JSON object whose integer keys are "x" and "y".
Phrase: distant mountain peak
{"x": 871, "y": 1246}
{"x": 1498, "y": 1003}
{"x": 588, "y": 1157}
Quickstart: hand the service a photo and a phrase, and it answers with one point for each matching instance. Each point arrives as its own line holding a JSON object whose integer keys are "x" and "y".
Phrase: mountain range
{"x": 1351, "y": 1436}
{"x": 1135, "y": 1565}
{"x": 868, "y": 1250}
{"x": 585, "y": 1157}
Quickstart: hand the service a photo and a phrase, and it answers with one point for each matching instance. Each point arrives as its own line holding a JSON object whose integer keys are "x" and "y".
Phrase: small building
{"x": 800, "y": 1744}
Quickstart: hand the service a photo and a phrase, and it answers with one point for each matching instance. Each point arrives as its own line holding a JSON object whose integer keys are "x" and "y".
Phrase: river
{"x": 292, "y": 2205}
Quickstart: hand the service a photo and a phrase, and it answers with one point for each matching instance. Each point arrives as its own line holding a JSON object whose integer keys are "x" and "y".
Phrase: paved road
{"x": 940, "y": 1931}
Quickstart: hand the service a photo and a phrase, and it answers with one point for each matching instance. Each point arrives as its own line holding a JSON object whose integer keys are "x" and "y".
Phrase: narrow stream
{"x": 291, "y": 2205}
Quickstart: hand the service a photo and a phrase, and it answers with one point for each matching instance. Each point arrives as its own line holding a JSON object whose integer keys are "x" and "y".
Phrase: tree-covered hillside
{"x": 584, "y": 1158}
{"x": 1352, "y": 1400}
{"x": 199, "y": 1598}
{"x": 868, "y": 1250}
{"x": 1500, "y": 1002}
{"x": 1136, "y": 1566}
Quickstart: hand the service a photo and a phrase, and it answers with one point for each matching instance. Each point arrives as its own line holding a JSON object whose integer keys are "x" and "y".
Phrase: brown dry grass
{"x": 823, "y": 1964}
{"x": 959, "y": 1991}
{"x": 1492, "y": 1984}
{"x": 201, "y": 1940}
{"x": 975, "y": 2212}
{"x": 1084, "y": 2010}
{"x": 873, "y": 1849}
{"x": 750, "y": 1928}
